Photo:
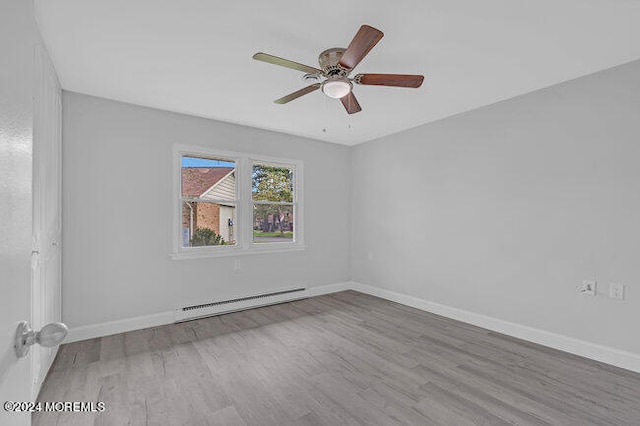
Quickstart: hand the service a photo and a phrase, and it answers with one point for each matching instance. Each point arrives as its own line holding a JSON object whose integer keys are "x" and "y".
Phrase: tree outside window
{"x": 273, "y": 203}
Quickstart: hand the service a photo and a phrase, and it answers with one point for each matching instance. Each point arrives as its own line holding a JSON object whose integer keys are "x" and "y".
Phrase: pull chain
{"x": 324, "y": 129}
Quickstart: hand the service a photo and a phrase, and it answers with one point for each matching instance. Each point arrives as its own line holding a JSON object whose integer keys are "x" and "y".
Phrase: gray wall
{"x": 504, "y": 210}
{"x": 117, "y": 165}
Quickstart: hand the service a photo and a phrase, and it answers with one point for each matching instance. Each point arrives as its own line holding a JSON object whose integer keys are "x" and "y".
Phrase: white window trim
{"x": 244, "y": 214}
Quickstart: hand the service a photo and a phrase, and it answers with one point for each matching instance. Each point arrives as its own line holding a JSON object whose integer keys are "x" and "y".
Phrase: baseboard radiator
{"x": 188, "y": 313}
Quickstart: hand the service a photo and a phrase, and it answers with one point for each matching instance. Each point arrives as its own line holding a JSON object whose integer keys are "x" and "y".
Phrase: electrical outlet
{"x": 588, "y": 287}
{"x": 236, "y": 264}
{"x": 616, "y": 291}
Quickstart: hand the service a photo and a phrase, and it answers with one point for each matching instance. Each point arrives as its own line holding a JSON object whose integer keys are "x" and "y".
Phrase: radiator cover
{"x": 188, "y": 313}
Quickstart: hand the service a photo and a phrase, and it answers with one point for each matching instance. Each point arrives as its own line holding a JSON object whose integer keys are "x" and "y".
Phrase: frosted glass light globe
{"x": 336, "y": 88}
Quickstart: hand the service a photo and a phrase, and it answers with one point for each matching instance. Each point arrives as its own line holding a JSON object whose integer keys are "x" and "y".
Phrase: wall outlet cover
{"x": 616, "y": 291}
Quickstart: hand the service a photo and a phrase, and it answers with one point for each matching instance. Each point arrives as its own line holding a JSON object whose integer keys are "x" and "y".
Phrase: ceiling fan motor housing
{"x": 329, "y": 62}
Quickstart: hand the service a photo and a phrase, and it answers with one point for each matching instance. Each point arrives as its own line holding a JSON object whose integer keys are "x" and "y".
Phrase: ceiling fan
{"x": 336, "y": 64}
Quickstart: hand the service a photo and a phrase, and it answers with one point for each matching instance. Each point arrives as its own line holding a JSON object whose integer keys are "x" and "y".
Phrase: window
{"x": 232, "y": 204}
{"x": 209, "y": 199}
{"x": 273, "y": 194}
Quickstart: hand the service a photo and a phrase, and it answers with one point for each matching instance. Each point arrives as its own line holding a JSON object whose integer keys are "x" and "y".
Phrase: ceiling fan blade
{"x": 351, "y": 103}
{"x": 395, "y": 80}
{"x": 362, "y": 43}
{"x": 265, "y": 57}
{"x": 298, "y": 93}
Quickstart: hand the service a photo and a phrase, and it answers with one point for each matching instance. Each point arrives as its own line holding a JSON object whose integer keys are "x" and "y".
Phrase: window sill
{"x": 203, "y": 254}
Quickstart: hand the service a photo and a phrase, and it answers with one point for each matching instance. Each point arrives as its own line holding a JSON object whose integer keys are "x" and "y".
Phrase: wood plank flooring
{"x": 341, "y": 359}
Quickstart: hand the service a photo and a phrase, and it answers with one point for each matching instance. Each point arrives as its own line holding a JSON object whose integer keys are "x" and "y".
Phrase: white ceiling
{"x": 194, "y": 56}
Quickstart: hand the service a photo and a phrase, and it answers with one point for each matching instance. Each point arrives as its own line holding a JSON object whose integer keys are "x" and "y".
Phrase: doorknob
{"x": 50, "y": 335}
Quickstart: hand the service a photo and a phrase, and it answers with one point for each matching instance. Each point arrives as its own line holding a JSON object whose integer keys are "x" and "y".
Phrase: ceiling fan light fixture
{"x": 337, "y": 88}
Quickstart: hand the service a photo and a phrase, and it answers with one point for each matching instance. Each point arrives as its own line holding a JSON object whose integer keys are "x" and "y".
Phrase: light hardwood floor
{"x": 341, "y": 359}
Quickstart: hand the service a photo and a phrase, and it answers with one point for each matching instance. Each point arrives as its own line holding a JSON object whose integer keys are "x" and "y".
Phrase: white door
{"x": 15, "y": 271}
{"x": 29, "y": 254}
{"x": 16, "y": 157}
{"x": 46, "y": 267}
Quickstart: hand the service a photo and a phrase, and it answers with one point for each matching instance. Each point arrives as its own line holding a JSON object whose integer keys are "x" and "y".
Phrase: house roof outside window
{"x": 198, "y": 181}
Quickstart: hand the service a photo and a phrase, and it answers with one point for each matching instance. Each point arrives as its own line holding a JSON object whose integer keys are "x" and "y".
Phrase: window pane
{"x": 271, "y": 183}
{"x": 272, "y": 223}
{"x": 208, "y": 178}
{"x": 208, "y": 224}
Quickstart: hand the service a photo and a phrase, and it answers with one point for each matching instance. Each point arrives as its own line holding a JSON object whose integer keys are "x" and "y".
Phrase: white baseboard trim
{"x": 163, "y": 318}
{"x": 608, "y": 355}
{"x": 330, "y": 288}
{"x": 119, "y": 326}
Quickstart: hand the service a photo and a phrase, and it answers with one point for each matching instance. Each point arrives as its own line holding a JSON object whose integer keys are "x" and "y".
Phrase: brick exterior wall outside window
{"x": 205, "y": 215}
